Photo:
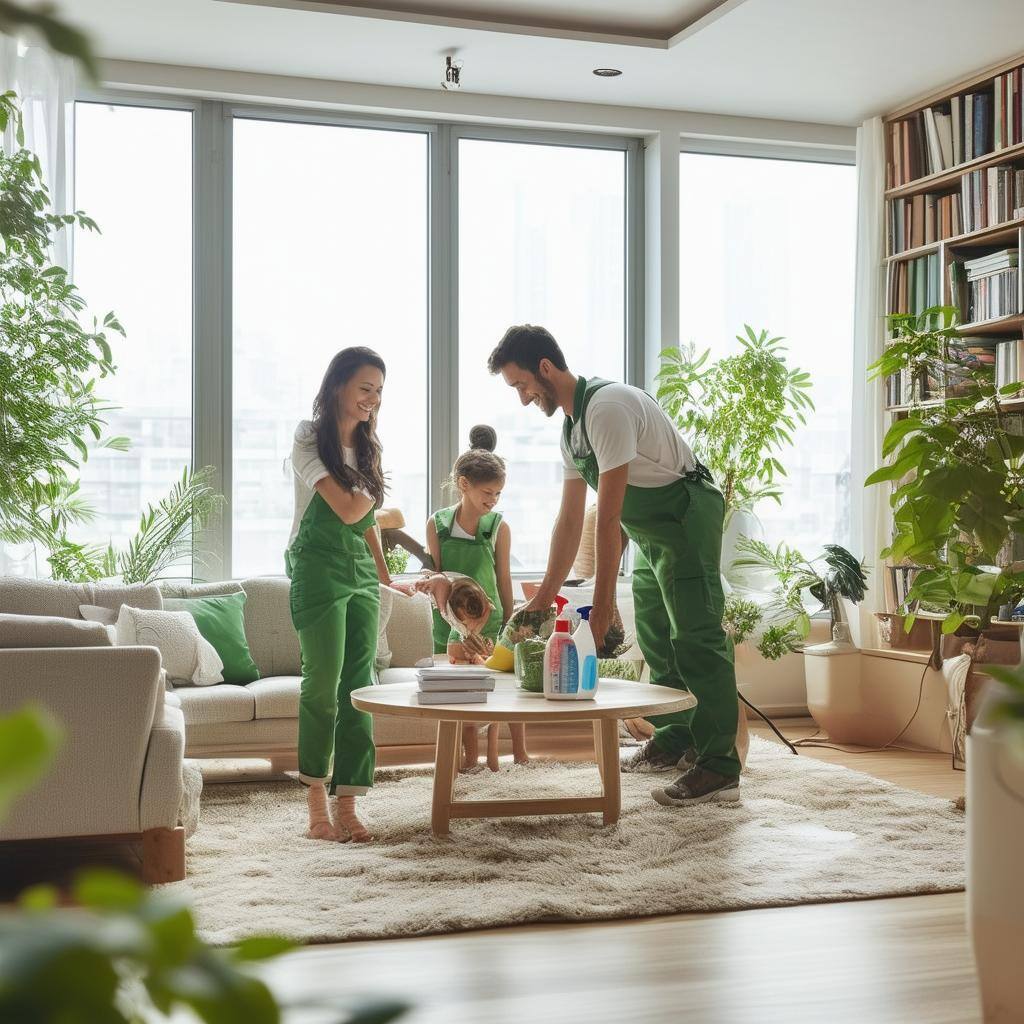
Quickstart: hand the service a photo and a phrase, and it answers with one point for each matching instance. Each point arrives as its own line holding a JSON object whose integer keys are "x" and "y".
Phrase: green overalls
{"x": 677, "y": 597}
{"x": 473, "y": 558}
{"x": 335, "y": 604}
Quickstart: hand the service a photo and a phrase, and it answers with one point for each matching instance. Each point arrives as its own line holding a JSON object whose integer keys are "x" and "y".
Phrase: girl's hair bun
{"x": 484, "y": 437}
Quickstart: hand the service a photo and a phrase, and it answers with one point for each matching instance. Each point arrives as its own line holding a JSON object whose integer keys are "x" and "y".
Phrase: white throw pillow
{"x": 98, "y": 613}
{"x": 387, "y": 603}
{"x": 185, "y": 655}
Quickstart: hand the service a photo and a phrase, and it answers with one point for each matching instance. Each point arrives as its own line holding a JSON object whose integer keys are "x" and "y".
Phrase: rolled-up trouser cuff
{"x": 349, "y": 790}
{"x": 312, "y": 780}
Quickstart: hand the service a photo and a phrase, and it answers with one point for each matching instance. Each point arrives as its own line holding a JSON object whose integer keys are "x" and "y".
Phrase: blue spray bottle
{"x": 586, "y": 653}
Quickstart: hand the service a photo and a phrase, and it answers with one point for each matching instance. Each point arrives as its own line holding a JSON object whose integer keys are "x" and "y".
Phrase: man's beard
{"x": 548, "y": 398}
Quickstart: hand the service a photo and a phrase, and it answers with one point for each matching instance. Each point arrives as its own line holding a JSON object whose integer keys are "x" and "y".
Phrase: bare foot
{"x": 319, "y": 820}
{"x": 346, "y": 825}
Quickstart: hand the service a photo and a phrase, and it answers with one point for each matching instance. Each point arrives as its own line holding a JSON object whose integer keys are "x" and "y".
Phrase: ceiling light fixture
{"x": 452, "y": 73}
{"x": 607, "y": 72}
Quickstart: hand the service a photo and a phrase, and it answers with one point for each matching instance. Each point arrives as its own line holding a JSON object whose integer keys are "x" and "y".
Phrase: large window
{"x": 133, "y": 176}
{"x": 541, "y": 240}
{"x": 329, "y": 250}
{"x": 771, "y": 243}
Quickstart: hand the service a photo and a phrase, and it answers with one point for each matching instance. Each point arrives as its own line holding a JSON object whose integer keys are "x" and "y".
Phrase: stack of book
{"x": 454, "y": 684}
{"x": 986, "y": 288}
{"x": 1009, "y": 362}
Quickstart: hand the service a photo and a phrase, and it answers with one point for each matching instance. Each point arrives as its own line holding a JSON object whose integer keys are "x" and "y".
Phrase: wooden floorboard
{"x": 869, "y": 962}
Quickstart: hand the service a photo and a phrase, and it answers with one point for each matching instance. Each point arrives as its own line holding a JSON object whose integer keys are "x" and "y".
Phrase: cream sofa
{"x": 260, "y": 719}
{"x": 118, "y": 772}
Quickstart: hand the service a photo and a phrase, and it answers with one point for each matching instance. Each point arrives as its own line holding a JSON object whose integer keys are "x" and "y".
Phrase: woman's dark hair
{"x": 526, "y": 345}
{"x": 368, "y": 473}
{"x": 479, "y": 465}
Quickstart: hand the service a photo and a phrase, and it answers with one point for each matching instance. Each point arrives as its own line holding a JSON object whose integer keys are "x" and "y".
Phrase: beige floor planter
{"x": 995, "y": 867}
{"x": 836, "y": 699}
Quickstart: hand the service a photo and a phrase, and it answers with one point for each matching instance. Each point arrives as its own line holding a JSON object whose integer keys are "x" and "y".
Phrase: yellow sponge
{"x": 502, "y": 660}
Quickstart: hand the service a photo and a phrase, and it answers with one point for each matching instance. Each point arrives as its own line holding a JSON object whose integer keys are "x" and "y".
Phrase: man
{"x": 620, "y": 442}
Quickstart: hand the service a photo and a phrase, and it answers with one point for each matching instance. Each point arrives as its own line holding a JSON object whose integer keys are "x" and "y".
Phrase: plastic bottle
{"x": 561, "y": 665}
{"x": 586, "y": 653}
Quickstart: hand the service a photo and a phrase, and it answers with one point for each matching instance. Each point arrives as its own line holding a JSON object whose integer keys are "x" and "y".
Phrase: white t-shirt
{"x": 625, "y": 425}
{"x": 308, "y": 470}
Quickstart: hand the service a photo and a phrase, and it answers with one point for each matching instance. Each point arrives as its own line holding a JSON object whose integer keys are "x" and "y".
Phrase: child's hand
{"x": 476, "y": 646}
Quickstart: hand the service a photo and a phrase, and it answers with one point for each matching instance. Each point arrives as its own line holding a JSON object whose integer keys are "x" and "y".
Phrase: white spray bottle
{"x": 586, "y": 654}
{"x": 561, "y": 666}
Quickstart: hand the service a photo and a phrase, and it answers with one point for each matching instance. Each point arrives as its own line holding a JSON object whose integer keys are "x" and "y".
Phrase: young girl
{"x": 470, "y": 538}
{"x": 335, "y": 564}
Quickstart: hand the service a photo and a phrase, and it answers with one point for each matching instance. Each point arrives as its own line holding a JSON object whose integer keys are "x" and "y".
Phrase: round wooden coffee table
{"x": 616, "y": 699}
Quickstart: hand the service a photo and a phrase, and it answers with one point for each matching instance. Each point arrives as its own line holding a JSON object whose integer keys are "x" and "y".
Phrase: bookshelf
{"x": 954, "y": 223}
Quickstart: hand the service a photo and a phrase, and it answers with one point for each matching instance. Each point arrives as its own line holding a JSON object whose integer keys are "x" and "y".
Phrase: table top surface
{"x": 616, "y": 698}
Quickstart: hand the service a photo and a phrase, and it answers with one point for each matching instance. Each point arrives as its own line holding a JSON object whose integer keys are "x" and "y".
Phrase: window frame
{"x": 212, "y": 327}
{"x": 800, "y": 153}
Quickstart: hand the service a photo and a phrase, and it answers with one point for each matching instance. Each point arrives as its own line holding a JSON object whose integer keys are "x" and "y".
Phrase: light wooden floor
{"x": 904, "y": 961}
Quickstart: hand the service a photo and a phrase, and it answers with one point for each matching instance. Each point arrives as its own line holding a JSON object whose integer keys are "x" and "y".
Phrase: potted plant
{"x": 832, "y": 674}
{"x": 995, "y": 842}
{"x": 737, "y": 413}
{"x": 957, "y": 474}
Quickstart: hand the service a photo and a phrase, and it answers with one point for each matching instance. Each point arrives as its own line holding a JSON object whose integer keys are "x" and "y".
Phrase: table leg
{"x": 599, "y": 749}
{"x": 609, "y": 729}
{"x": 445, "y": 767}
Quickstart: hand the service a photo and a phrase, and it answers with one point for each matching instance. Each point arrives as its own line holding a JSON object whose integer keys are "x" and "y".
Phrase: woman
{"x": 335, "y": 563}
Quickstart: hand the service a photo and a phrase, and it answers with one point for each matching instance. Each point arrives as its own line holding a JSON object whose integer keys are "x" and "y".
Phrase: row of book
{"x": 937, "y": 138}
{"x": 991, "y": 196}
{"x": 1007, "y": 119}
{"x": 453, "y": 684}
{"x": 922, "y": 219}
{"x": 915, "y": 285}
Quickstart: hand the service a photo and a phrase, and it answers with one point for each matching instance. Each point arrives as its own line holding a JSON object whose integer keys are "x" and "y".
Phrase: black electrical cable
{"x": 757, "y": 711}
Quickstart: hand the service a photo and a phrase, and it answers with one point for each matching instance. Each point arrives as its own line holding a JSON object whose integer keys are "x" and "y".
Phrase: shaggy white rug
{"x": 804, "y": 832}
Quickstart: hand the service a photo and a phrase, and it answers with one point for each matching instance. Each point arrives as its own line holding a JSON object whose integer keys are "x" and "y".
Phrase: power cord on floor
{"x": 813, "y": 741}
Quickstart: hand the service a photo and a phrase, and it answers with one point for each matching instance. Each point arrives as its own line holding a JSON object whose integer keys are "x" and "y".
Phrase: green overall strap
{"x": 574, "y": 429}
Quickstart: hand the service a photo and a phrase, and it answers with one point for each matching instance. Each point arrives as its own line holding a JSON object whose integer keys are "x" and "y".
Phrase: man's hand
{"x": 600, "y": 622}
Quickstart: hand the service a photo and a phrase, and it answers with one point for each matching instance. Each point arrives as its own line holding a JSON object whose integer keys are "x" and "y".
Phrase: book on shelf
{"x": 451, "y": 697}
{"x": 987, "y": 287}
{"x": 1009, "y": 362}
{"x": 915, "y": 285}
{"x": 992, "y": 263}
{"x": 902, "y": 579}
{"x": 923, "y": 219}
{"x": 991, "y": 196}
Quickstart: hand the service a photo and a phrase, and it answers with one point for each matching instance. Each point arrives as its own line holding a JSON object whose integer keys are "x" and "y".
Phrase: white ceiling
{"x": 824, "y": 61}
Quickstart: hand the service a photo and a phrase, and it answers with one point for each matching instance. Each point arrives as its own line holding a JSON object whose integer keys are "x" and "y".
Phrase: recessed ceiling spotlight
{"x": 452, "y": 73}
{"x": 607, "y": 72}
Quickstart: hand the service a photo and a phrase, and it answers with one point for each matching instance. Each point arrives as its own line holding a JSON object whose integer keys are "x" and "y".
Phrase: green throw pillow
{"x": 221, "y": 620}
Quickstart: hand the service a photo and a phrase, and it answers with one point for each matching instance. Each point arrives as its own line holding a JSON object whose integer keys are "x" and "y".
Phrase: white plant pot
{"x": 995, "y": 866}
{"x": 836, "y": 699}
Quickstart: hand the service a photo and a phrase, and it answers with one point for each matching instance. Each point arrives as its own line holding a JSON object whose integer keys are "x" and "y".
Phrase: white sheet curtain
{"x": 45, "y": 85}
{"x": 870, "y": 511}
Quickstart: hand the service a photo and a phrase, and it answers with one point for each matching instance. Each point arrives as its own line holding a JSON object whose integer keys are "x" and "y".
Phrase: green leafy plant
{"x": 59, "y": 35}
{"x": 829, "y": 579}
{"x": 49, "y": 362}
{"x": 738, "y": 413}
{"x": 957, "y": 479}
{"x": 50, "y": 411}
{"x": 397, "y": 560}
{"x": 741, "y": 618}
